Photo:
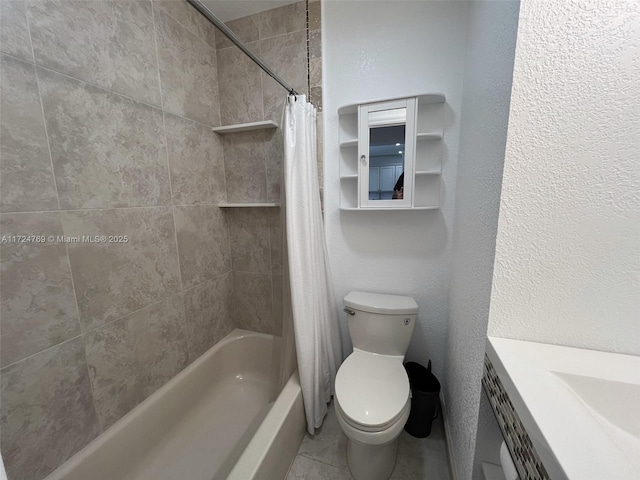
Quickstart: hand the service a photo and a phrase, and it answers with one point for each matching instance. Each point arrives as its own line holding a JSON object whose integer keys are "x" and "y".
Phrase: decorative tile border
{"x": 525, "y": 458}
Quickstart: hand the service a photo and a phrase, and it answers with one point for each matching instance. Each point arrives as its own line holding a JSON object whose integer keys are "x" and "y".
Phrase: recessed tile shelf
{"x": 245, "y": 127}
{"x": 248, "y": 205}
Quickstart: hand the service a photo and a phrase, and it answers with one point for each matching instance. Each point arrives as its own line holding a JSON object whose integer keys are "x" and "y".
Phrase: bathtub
{"x": 214, "y": 420}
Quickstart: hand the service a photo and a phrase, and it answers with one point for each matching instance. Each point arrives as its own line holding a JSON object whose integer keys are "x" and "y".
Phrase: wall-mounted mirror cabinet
{"x": 386, "y": 146}
{"x": 390, "y": 154}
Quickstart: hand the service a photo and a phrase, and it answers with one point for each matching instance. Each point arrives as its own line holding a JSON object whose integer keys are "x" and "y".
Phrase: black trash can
{"x": 425, "y": 398}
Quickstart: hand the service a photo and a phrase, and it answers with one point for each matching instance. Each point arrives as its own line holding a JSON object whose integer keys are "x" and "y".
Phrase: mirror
{"x": 386, "y": 142}
{"x": 386, "y": 162}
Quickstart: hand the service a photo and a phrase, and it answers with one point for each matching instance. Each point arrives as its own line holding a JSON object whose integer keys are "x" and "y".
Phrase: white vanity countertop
{"x": 581, "y": 408}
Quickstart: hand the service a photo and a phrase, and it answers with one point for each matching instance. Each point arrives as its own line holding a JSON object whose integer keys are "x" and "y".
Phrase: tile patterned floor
{"x": 324, "y": 456}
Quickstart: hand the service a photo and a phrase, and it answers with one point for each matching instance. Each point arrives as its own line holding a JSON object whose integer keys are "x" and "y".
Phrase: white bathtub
{"x": 213, "y": 417}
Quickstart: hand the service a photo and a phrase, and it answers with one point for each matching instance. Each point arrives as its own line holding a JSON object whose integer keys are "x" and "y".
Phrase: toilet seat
{"x": 372, "y": 390}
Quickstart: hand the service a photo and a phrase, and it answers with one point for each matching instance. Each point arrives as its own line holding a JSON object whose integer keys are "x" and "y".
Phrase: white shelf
{"x": 428, "y": 155}
{"x": 390, "y": 209}
{"x": 428, "y": 136}
{"x": 245, "y": 127}
{"x": 423, "y": 99}
{"x": 349, "y": 143}
{"x": 247, "y": 205}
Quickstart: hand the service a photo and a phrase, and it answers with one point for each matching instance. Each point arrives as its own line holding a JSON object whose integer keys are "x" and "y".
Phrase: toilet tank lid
{"x": 381, "y": 303}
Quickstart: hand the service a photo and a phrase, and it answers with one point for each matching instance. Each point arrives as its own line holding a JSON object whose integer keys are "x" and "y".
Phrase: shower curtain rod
{"x": 208, "y": 14}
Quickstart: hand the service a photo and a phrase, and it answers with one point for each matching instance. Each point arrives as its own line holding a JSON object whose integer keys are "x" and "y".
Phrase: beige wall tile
{"x": 107, "y": 150}
{"x": 160, "y": 343}
{"x": 287, "y": 56}
{"x": 276, "y": 239}
{"x": 246, "y": 29}
{"x": 281, "y": 20}
{"x": 203, "y": 243}
{"x": 115, "y": 279}
{"x": 111, "y": 358}
{"x": 316, "y": 97}
{"x": 26, "y": 177}
{"x": 109, "y": 44}
{"x": 244, "y": 167}
{"x": 315, "y": 44}
{"x": 315, "y": 72}
{"x": 208, "y": 313}
{"x": 47, "y": 412}
{"x": 188, "y": 72}
{"x": 38, "y": 306}
{"x": 14, "y": 33}
{"x": 131, "y": 358}
{"x": 315, "y": 15}
{"x": 250, "y": 241}
{"x": 253, "y": 302}
{"x": 240, "y": 86}
{"x": 196, "y": 162}
{"x": 274, "y": 156}
{"x": 276, "y": 289}
{"x": 190, "y": 18}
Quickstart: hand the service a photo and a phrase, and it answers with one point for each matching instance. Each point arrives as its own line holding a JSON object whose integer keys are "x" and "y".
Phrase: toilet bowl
{"x": 372, "y": 394}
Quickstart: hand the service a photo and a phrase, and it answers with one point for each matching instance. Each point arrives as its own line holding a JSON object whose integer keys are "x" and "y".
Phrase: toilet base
{"x": 371, "y": 462}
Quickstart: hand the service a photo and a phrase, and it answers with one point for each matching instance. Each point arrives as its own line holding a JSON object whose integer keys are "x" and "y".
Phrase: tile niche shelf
{"x": 248, "y": 205}
{"x": 428, "y": 150}
{"x": 245, "y": 127}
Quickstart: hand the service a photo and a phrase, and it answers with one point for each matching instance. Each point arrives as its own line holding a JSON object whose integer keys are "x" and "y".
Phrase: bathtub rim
{"x": 98, "y": 442}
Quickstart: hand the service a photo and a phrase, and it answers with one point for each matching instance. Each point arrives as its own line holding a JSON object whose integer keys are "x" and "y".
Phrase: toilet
{"x": 372, "y": 395}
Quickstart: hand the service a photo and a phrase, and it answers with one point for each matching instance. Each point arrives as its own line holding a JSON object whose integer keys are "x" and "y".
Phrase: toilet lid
{"x": 372, "y": 389}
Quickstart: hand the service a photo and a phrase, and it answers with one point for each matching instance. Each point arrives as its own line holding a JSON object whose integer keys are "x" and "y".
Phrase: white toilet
{"x": 372, "y": 396}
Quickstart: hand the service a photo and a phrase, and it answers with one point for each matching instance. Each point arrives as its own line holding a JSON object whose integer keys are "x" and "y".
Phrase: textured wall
{"x": 567, "y": 268}
{"x": 485, "y": 110}
{"x": 394, "y": 49}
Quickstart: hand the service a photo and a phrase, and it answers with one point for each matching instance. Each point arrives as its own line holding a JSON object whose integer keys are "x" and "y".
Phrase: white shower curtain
{"x": 312, "y": 299}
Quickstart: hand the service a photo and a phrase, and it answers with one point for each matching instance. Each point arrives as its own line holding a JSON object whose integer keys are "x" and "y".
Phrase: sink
{"x": 580, "y": 407}
{"x": 615, "y": 403}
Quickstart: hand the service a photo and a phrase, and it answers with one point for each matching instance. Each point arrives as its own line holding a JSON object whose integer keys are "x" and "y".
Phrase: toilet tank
{"x": 380, "y": 323}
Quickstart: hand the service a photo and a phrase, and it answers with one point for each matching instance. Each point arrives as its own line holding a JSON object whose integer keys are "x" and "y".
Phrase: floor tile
{"x": 329, "y": 444}
{"x": 324, "y": 456}
{"x": 304, "y": 468}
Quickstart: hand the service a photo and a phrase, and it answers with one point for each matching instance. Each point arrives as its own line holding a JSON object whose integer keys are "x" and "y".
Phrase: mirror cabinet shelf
{"x": 390, "y": 153}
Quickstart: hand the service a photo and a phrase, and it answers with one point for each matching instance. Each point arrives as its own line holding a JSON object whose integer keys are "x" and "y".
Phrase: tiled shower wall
{"x": 254, "y": 159}
{"x": 106, "y": 109}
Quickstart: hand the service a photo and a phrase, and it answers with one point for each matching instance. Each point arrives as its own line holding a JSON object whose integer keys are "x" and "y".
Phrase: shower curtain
{"x": 313, "y": 303}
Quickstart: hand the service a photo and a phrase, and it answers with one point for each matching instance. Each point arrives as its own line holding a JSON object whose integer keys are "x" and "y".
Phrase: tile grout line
{"x": 46, "y": 129}
{"x": 93, "y": 329}
{"x": 66, "y": 247}
{"x": 5, "y": 367}
{"x": 98, "y": 209}
{"x": 155, "y": 42}
{"x": 183, "y": 25}
{"x": 324, "y": 463}
{"x": 91, "y": 84}
{"x": 169, "y": 172}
